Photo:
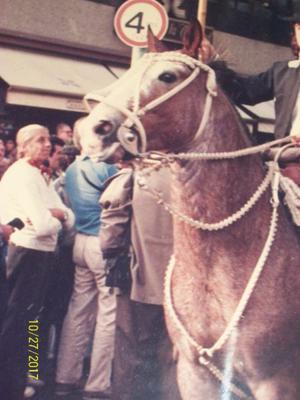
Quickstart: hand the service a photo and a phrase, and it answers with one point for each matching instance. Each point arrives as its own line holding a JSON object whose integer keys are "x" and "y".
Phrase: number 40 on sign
{"x": 133, "y": 18}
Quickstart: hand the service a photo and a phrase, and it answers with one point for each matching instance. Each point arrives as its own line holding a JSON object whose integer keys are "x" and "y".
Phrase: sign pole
{"x": 136, "y": 54}
{"x": 202, "y": 11}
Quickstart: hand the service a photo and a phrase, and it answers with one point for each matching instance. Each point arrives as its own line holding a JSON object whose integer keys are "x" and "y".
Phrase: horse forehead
{"x": 141, "y": 78}
{"x": 158, "y": 67}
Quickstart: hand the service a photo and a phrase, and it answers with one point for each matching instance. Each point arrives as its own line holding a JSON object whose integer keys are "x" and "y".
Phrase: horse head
{"x": 156, "y": 104}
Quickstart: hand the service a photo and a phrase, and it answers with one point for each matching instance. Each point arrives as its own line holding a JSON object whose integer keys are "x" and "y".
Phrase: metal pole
{"x": 137, "y": 53}
{"x": 202, "y": 11}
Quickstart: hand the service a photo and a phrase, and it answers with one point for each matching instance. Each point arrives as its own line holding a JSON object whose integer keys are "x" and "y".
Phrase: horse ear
{"x": 154, "y": 44}
{"x": 192, "y": 39}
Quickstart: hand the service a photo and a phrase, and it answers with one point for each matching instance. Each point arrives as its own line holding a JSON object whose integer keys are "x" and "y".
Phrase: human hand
{"x": 58, "y": 213}
{"x": 124, "y": 164}
{"x": 7, "y": 230}
{"x": 296, "y": 140}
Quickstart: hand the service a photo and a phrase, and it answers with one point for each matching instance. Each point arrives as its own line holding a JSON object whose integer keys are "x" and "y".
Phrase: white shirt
{"x": 295, "y": 130}
{"x": 24, "y": 193}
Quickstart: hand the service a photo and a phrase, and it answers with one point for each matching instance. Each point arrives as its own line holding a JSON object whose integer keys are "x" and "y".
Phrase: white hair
{"x": 25, "y": 135}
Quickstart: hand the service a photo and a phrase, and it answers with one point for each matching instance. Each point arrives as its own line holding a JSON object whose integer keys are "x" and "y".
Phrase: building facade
{"x": 52, "y": 52}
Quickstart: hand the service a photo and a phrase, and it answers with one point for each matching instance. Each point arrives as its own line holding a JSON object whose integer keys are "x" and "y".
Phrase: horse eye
{"x": 167, "y": 77}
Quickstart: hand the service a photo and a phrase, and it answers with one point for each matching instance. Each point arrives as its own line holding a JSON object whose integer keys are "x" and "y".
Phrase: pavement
{"x": 47, "y": 392}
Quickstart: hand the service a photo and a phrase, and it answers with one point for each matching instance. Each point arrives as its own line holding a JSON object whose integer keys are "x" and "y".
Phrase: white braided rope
{"x": 292, "y": 197}
{"x": 243, "y": 301}
{"x": 170, "y": 310}
{"x": 191, "y": 62}
{"x": 205, "y": 116}
{"x": 133, "y": 117}
{"x": 235, "y": 319}
{"x": 231, "y": 154}
{"x": 251, "y": 284}
{"x": 170, "y": 157}
{"x": 166, "y": 96}
{"x": 226, "y": 221}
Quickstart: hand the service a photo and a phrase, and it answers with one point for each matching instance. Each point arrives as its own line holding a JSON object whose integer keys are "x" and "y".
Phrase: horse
{"x": 232, "y": 299}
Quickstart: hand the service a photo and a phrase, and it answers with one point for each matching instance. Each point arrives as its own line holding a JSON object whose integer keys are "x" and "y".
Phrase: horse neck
{"x": 210, "y": 191}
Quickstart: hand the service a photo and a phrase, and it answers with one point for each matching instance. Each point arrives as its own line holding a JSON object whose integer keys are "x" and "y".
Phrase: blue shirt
{"x": 83, "y": 197}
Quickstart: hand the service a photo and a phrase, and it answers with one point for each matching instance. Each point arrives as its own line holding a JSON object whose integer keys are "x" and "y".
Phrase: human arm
{"x": 115, "y": 239}
{"x": 296, "y": 140}
{"x": 115, "y": 203}
{"x": 36, "y": 201}
{"x": 243, "y": 89}
{"x": 5, "y": 232}
{"x": 63, "y": 213}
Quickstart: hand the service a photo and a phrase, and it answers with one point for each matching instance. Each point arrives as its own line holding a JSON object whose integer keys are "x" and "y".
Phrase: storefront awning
{"x": 49, "y": 81}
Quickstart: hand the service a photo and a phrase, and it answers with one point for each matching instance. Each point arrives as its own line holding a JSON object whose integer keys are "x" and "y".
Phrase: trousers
{"x": 143, "y": 367}
{"x": 28, "y": 274}
{"x": 91, "y": 310}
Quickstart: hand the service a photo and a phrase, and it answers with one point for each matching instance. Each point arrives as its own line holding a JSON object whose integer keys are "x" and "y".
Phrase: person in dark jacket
{"x": 280, "y": 82}
{"x": 133, "y": 223}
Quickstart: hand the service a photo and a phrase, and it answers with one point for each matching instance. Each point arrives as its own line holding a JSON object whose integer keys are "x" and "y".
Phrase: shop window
{"x": 256, "y": 19}
{"x": 181, "y": 9}
{"x": 113, "y": 3}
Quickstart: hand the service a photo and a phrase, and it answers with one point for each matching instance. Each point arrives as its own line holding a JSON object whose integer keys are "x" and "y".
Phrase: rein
{"x": 273, "y": 176}
{"x": 167, "y": 159}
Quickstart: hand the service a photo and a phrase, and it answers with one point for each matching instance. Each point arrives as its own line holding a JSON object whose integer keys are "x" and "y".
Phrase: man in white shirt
{"x": 26, "y": 192}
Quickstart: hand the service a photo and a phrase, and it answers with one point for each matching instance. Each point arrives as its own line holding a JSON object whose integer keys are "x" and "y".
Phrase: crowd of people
{"x": 33, "y": 217}
{"x": 55, "y": 271}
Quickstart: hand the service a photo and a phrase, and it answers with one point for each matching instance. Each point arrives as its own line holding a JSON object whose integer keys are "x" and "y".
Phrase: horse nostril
{"x": 104, "y": 128}
{"x": 130, "y": 137}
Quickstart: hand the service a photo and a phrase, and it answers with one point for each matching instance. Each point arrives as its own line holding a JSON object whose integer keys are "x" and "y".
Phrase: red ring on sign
{"x": 124, "y": 6}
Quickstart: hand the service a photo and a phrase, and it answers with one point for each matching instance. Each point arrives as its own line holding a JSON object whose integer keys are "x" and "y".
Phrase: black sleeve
{"x": 244, "y": 89}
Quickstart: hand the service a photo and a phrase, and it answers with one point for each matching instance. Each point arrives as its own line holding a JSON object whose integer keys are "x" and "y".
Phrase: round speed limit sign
{"x": 133, "y": 18}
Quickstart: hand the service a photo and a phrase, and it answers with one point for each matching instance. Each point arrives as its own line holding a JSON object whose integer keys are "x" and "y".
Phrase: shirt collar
{"x": 294, "y": 63}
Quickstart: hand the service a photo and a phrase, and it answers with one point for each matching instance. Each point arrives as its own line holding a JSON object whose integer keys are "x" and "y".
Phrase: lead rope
{"x": 202, "y": 360}
{"x": 205, "y": 354}
{"x": 156, "y": 155}
{"x": 216, "y": 225}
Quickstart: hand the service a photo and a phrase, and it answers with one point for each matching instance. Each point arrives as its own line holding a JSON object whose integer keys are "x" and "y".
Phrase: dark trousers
{"x": 143, "y": 367}
{"x": 60, "y": 287}
{"x": 3, "y": 288}
{"x": 27, "y": 276}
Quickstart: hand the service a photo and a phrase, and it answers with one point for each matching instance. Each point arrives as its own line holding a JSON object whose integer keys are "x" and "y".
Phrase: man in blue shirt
{"x": 92, "y": 304}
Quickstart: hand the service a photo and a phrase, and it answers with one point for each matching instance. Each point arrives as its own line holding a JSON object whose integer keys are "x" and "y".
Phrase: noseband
{"x": 133, "y": 122}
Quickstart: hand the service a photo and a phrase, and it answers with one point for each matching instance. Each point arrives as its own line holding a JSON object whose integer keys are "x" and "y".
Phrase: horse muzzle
{"x": 118, "y": 142}
{"x": 128, "y": 137}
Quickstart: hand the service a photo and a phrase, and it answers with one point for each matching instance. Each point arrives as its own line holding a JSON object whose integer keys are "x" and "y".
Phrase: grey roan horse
{"x": 257, "y": 356}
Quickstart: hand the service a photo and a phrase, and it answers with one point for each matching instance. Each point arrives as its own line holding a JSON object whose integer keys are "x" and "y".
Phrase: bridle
{"x": 133, "y": 121}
